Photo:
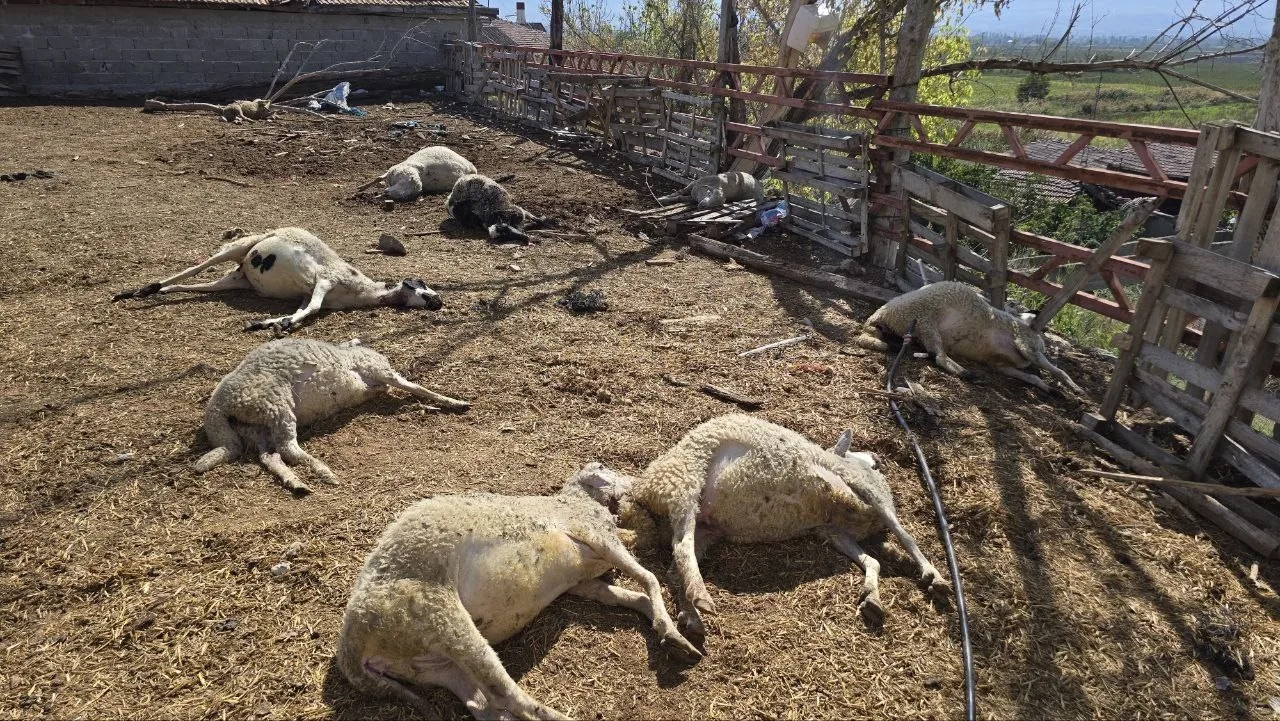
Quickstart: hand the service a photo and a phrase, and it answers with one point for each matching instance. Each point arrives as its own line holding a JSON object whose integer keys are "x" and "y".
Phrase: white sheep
{"x": 287, "y": 383}
{"x": 952, "y": 318}
{"x": 713, "y": 191}
{"x": 292, "y": 263}
{"x": 744, "y": 479}
{"x": 454, "y": 574}
{"x": 480, "y": 200}
{"x": 431, "y": 170}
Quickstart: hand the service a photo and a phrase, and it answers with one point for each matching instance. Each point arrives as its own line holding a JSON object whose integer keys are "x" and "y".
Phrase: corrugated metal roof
{"x": 505, "y": 32}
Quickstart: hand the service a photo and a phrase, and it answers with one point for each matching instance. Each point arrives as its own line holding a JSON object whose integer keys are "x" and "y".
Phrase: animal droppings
{"x": 580, "y": 302}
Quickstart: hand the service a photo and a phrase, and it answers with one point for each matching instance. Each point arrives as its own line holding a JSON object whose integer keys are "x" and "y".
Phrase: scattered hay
{"x": 136, "y": 588}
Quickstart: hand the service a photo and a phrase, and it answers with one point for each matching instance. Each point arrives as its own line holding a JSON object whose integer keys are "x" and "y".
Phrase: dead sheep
{"x": 431, "y": 170}
{"x": 713, "y": 191}
{"x": 479, "y": 200}
{"x": 746, "y": 480}
{"x": 293, "y": 263}
{"x": 454, "y": 574}
{"x": 952, "y": 318}
{"x": 284, "y": 384}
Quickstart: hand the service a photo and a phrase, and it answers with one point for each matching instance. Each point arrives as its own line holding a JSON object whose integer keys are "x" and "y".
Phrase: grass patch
{"x": 1129, "y": 96}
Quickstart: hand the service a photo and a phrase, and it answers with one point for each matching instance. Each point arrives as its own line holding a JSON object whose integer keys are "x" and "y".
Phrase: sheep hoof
{"x": 681, "y": 646}
{"x": 871, "y": 610}
{"x": 969, "y": 377}
{"x": 691, "y": 628}
{"x": 143, "y": 292}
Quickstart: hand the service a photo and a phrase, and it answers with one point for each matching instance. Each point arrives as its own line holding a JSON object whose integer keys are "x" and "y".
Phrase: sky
{"x": 1027, "y": 17}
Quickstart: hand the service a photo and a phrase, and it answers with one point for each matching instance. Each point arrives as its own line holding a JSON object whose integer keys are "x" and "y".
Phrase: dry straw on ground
{"x": 131, "y": 587}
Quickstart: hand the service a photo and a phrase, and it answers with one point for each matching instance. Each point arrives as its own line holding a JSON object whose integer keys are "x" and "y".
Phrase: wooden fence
{"x": 1210, "y": 376}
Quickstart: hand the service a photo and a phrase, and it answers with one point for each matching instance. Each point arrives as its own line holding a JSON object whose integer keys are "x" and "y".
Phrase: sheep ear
{"x": 842, "y": 443}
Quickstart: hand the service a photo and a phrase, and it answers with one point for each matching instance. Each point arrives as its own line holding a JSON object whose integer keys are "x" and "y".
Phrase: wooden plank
{"x": 1258, "y": 142}
{"x": 853, "y": 176}
{"x": 848, "y": 143}
{"x": 1210, "y": 311}
{"x": 801, "y": 177}
{"x": 804, "y": 204}
{"x": 1248, "y": 464}
{"x": 1235, "y": 373}
{"x": 1185, "y": 369}
{"x": 1161, "y": 252}
{"x": 970, "y": 210}
{"x": 1136, "y": 214}
{"x": 684, "y": 140}
{"x": 1250, "y": 225}
{"x": 1205, "y": 266}
{"x": 831, "y": 281}
{"x": 998, "y": 249}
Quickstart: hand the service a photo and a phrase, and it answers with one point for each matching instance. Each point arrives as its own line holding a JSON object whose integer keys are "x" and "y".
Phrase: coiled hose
{"x": 966, "y": 650}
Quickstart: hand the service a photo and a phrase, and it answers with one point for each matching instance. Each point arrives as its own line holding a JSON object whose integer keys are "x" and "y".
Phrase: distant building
{"x": 114, "y": 48}
{"x": 505, "y": 32}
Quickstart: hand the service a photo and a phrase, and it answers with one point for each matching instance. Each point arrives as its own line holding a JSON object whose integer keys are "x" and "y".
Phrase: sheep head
{"x": 603, "y": 485}
{"x": 841, "y": 449}
{"x": 414, "y": 293}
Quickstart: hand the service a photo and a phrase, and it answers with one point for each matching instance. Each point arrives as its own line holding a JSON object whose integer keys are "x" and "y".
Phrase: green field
{"x": 1130, "y": 96}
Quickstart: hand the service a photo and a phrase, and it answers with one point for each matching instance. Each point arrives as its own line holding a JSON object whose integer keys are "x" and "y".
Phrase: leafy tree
{"x": 1033, "y": 87}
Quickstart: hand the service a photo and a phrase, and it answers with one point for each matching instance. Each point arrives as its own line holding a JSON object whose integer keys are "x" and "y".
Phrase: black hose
{"x": 970, "y": 693}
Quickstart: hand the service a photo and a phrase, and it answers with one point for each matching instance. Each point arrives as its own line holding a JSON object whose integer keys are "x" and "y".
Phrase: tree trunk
{"x": 1268, "y": 117}
{"x": 557, "y": 25}
{"x": 913, "y": 38}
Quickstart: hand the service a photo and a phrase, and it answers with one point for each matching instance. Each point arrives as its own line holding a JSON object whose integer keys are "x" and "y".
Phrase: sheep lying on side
{"x": 431, "y": 170}
{"x": 713, "y": 191}
{"x": 292, "y": 263}
{"x": 741, "y": 478}
{"x": 284, "y": 384}
{"x": 952, "y": 318}
{"x": 454, "y": 574}
{"x": 480, "y": 200}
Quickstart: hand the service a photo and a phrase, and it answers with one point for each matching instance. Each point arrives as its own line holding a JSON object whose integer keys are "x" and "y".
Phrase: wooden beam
{"x": 830, "y": 281}
{"x": 1136, "y": 213}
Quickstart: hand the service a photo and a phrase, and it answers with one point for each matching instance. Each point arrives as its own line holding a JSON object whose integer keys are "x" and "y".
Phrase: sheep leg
{"x": 398, "y": 381}
{"x": 703, "y": 538}
{"x": 271, "y": 460}
{"x": 450, "y": 676}
{"x": 869, "y": 598}
{"x": 1058, "y": 373}
{"x": 1028, "y": 378}
{"x": 235, "y": 280}
{"x": 233, "y": 251}
{"x": 934, "y": 582}
{"x": 224, "y": 439}
{"x": 285, "y": 437}
{"x": 615, "y": 553}
{"x": 931, "y": 339}
{"x": 286, "y": 322}
{"x": 463, "y": 643}
{"x": 694, "y": 598}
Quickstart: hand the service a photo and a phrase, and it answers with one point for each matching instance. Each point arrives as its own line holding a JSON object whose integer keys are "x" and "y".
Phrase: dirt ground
{"x": 132, "y": 587}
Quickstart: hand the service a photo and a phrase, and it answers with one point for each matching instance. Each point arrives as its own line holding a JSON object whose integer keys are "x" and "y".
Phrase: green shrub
{"x": 1033, "y": 87}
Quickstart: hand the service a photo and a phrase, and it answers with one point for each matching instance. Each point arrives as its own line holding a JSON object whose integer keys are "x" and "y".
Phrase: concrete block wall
{"x": 111, "y": 51}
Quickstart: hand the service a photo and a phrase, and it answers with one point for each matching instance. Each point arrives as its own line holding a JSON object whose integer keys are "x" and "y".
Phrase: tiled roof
{"x": 505, "y": 32}
{"x": 1175, "y": 160}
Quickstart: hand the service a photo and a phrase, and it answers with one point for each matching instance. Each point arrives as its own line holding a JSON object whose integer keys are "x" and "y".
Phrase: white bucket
{"x": 814, "y": 25}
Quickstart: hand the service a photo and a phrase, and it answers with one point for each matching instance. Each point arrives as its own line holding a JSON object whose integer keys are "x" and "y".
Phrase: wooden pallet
{"x": 12, "y": 83}
{"x": 688, "y": 218}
